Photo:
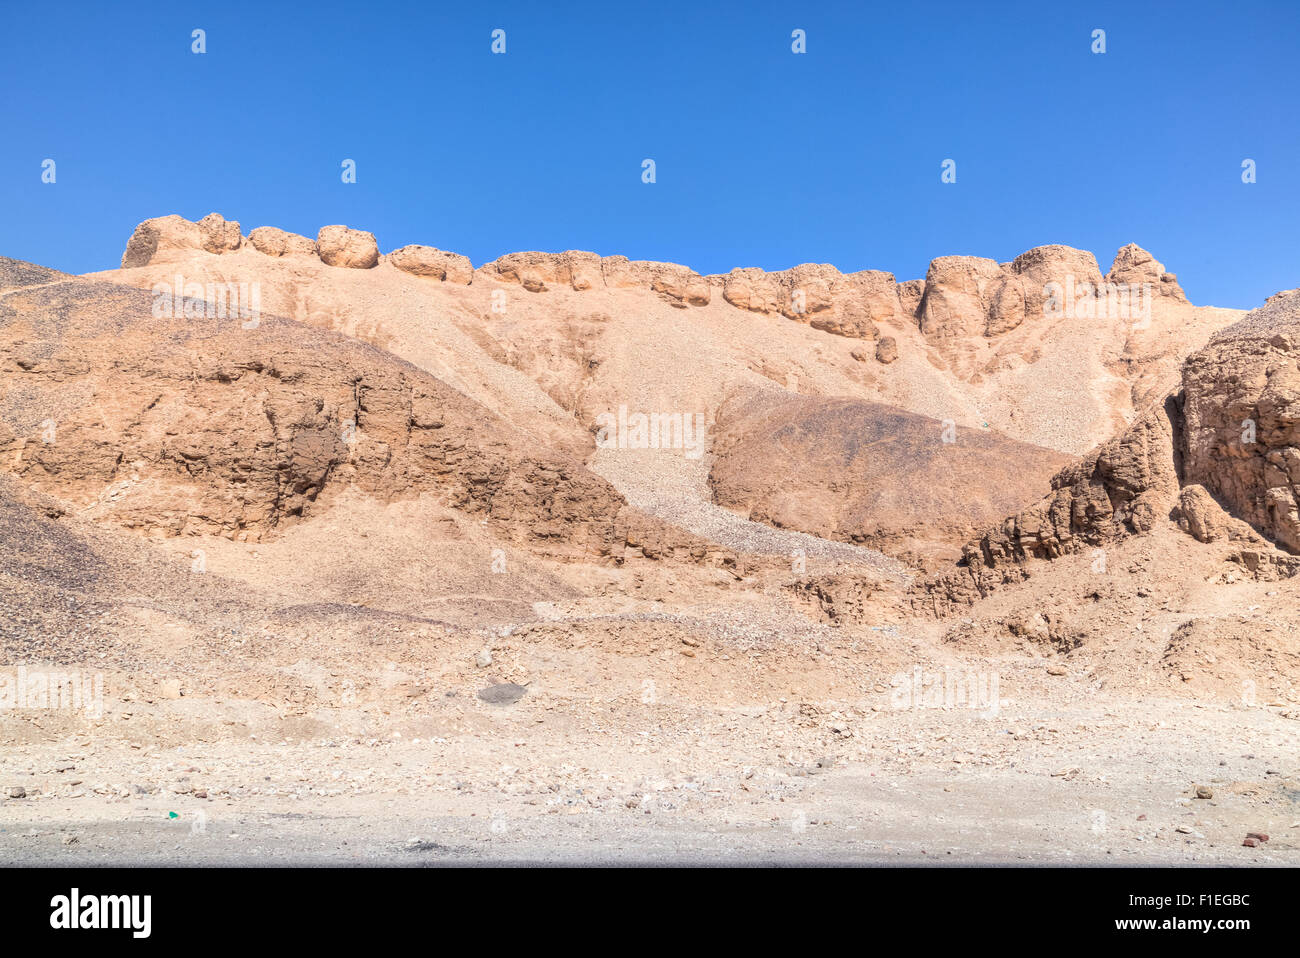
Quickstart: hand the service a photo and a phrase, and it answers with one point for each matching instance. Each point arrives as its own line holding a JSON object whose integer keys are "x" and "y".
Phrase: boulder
{"x": 886, "y": 349}
{"x": 752, "y": 289}
{"x": 1205, "y": 520}
{"x": 348, "y": 248}
{"x": 433, "y": 263}
{"x": 219, "y": 235}
{"x": 167, "y": 238}
{"x": 277, "y": 242}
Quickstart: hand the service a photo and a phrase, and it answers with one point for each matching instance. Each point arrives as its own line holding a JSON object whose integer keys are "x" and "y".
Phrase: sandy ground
{"x": 562, "y": 778}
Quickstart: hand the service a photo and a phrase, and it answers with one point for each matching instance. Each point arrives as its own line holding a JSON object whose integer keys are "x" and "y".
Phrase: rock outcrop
{"x": 347, "y": 248}
{"x": 277, "y": 242}
{"x": 1123, "y": 487}
{"x": 818, "y": 294}
{"x": 1220, "y": 457}
{"x": 205, "y": 426}
{"x": 433, "y": 263}
{"x": 168, "y": 238}
{"x": 969, "y": 296}
{"x": 538, "y": 272}
{"x": 1202, "y": 518}
{"x": 1135, "y": 266}
{"x": 1243, "y": 419}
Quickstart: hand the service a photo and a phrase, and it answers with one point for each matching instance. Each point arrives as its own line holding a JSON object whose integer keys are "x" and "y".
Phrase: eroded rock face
{"x": 969, "y": 296}
{"x": 1134, "y": 265}
{"x": 166, "y": 238}
{"x": 1220, "y": 457}
{"x": 818, "y": 294}
{"x": 755, "y": 290}
{"x": 1243, "y": 419}
{"x": 677, "y": 283}
{"x": 537, "y": 272}
{"x": 1122, "y": 487}
{"x": 195, "y": 425}
{"x": 277, "y": 242}
{"x": 348, "y": 248}
{"x": 959, "y": 292}
{"x": 433, "y": 263}
{"x": 1205, "y": 520}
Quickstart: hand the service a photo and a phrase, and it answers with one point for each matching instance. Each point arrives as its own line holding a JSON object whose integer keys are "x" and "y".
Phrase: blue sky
{"x": 763, "y": 157}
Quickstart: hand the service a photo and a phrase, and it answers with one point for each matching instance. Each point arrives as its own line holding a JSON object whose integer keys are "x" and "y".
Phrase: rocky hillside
{"x": 1218, "y": 458}
{"x": 189, "y": 424}
{"x": 835, "y": 468}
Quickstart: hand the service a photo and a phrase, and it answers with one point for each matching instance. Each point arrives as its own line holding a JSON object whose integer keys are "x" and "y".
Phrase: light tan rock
{"x": 1134, "y": 265}
{"x": 679, "y": 284}
{"x": 348, "y": 248}
{"x": 219, "y": 235}
{"x": 909, "y": 297}
{"x": 1042, "y": 265}
{"x": 958, "y": 290}
{"x": 536, "y": 271}
{"x": 170, "y": 238}
{"x": 817, "y": 294}
{"x": 1242, "y": 408}
{"x": 433, "y": 263}
{"x": 684, "y": 285}
{"x": 753, "y": 289}
{"x": 1205, "y": 520}
{"x": 277, "y": 242}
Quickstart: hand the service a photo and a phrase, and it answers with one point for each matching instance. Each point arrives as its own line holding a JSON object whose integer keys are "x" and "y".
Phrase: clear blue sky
{"x": 764, "y": 158}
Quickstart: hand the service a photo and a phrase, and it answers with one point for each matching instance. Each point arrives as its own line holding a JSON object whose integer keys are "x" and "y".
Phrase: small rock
{"x": 507, "y": 693}
{"x": 483, "y": 659}
{"x": 1204, "y": 791}
{"x": 17, "y": 791}
{"x": 1056, "y": 670}
{"x": 1256, "y": 836}
{"x": 1250, "y": 843}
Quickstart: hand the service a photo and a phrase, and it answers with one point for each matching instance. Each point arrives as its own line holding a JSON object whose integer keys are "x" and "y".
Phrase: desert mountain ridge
{"x": 910, "y": 473}
{"x": 303, "y": 506}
